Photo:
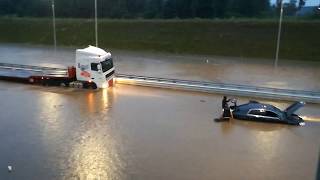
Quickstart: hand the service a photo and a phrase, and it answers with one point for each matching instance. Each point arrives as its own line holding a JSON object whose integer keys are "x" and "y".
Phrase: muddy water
{"x": 258, "y": 72}
{"x": 130, "y": 132}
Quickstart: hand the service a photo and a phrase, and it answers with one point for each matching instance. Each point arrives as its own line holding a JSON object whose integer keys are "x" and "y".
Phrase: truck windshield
{"x": 107, "y": 65}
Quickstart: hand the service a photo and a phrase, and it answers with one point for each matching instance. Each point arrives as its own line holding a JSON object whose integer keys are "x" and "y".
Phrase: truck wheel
{"x": 63, "y": 84}
{"x": 91, "y": 85}
{"x": 94, "y": 86}
{"x": 31, "y": 80}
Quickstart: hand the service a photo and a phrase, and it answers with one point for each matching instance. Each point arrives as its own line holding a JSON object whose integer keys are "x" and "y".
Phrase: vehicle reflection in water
{"x": 105, "y": 97}
{"x": 99, "y": 100}
{"x": 93, "y": 154}
{"x": 90, "y": 99}
{"x": 50, "y": 105}
{"x": 77, "y": 121}
{"x": 227, "y": 127}
{"x": 264, "y": 140}
{"x": 266, "y": 143}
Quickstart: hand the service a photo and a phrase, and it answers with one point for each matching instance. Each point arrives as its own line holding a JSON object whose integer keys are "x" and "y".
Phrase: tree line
{"x": 144, "y": 8}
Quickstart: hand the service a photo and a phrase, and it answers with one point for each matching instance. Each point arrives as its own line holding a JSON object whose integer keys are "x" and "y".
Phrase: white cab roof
{"x": 91, "y": 50}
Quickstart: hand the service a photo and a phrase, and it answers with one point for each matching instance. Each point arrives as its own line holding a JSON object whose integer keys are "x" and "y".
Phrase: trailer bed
{"x": 26, "y": 71}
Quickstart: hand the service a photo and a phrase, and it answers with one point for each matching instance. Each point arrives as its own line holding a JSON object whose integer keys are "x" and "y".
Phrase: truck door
{"x": 96, "y": 73}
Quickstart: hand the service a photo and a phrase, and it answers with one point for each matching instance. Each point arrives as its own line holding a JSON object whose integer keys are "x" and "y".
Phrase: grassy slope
{"x": 245, "y": 38}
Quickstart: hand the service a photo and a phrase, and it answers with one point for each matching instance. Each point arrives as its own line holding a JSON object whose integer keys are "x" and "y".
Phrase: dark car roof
{"x": 257, "y": 105}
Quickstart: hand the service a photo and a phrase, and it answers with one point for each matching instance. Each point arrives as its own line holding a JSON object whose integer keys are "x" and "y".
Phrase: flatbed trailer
{"x": 37, "y": 74}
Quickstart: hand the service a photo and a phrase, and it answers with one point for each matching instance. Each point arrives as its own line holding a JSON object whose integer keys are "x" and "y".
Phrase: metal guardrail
{"x": 199, "y": 86}
{"x": 215, "y": 87}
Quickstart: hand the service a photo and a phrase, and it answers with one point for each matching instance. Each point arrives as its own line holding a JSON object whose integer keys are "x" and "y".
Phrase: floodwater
{"x": 130, "y": 132}
{"x": 258, "y": 72}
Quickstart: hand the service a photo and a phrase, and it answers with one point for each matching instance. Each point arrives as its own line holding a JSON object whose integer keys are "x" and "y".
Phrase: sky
{"x": 309, "y": 2}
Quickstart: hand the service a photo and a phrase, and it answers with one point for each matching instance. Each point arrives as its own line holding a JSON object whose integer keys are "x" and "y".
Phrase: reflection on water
{"x": 311, "y": 118}
{"x": 76, "y": 124}
{"x": 94, "y": 157}
{"x": 90, "y": 97}
{"x": 93, "y": 153}
{"x": 130, "y": 132}
{"x": 99, "y": 100}
{"x": 105, "y": 97}
{"x": 49, "y": 106}
{"x": 266, "y": 143}
{"x": 227, "y": 127}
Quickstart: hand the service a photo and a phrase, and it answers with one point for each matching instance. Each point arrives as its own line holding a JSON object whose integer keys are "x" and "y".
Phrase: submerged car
{"x": 256, "y": 111}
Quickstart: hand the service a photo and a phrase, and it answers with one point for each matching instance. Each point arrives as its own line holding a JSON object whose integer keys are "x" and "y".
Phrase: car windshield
{"x": 107, "y": 65}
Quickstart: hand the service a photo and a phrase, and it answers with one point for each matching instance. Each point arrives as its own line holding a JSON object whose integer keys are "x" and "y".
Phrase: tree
{"x": 119, "y": 9}
{"x": 205, "y": 9}
{"x": 38, "y": 8}
{"x": 184, "y": 9}
{"x": 6, "y": 7}
{"x": 135, "y": 8}
{"x": 220, "y": 8}
{"x": 290, "y": 8}
{"x": 139, "y": 8}
{"x": 153, "y": 9}
{"x": 301, "y": 3}
{"x": 170, "y": 9}
{"x": 248, "y": 8}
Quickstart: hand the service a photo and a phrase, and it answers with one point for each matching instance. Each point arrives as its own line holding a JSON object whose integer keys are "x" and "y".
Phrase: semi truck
{"x": 93, "y": 69}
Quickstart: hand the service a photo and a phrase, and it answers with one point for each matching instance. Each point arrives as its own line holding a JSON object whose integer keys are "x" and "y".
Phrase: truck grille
{"x": 109, "y": 74}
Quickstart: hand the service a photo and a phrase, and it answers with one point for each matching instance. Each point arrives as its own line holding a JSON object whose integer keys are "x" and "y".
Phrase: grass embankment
{"x": 244, "y": 38}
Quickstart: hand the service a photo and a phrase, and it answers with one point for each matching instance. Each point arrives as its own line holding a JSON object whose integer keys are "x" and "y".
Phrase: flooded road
{"x": 257, "y": 72}
{"x": 130, "y": 132}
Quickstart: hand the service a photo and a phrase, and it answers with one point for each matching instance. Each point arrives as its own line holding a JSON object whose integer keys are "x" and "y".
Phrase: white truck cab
{"x": 94, "y": 65}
